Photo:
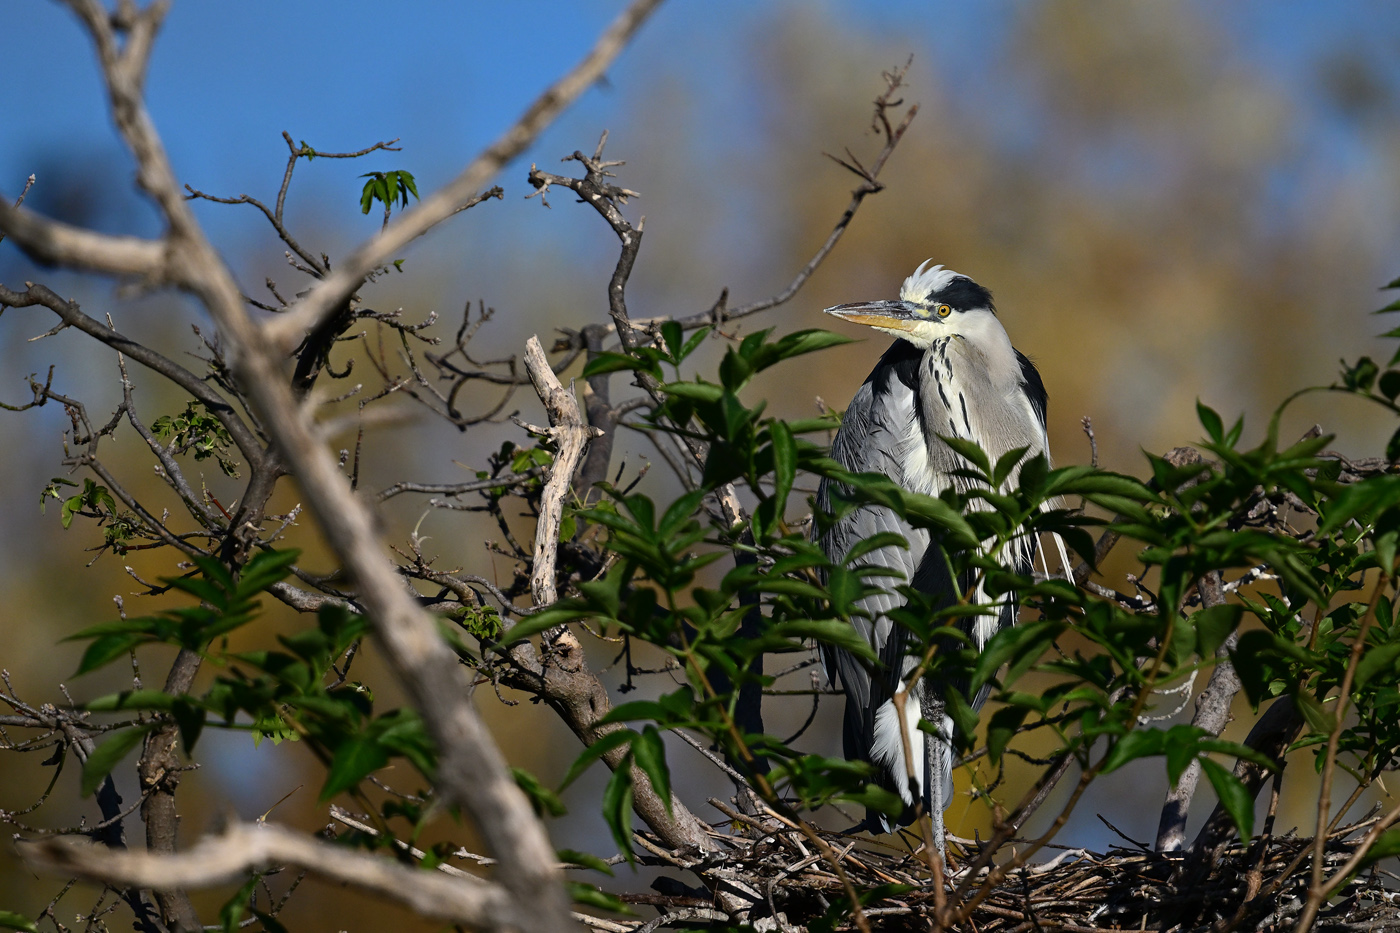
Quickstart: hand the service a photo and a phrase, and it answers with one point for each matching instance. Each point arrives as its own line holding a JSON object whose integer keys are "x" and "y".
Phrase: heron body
{"x": 952, "y": 371}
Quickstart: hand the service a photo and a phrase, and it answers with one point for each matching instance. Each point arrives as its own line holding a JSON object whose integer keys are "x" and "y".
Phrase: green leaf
{"x": 1076, "y": 481}
{"x": 109, "y": 754}
{"x": 1377, "y": 661}
{"x": 70, "y": 507}
{"x": 190, "y": 718}
{"x": 108, "y": 648}
{"x": 695, "y": 391}
{"x": 608, "y": 362}
{"x": 1020, "y": 645}
{"x": 590, "y": 896}
{"x": 671, "y": 336}
{"x": 1001, "y": 728}
{"x": 1359, "y": 499}
{"x": 734, "y": 371}
{"x": 1386, "y": 845}
{"x": 1318, "y": 717}
{"x": 784, "y": 462}
{"x": 829, "y": 632}
{"x": 617, "y": 809}
{"x": 1234, "y": 796}
{"x": 807, "y": 341}
{"x": 544, "y": 800}
{"x": 1005, "y": 464}
{"x": 970, "y": 452}
{"x": 1139, "y": 743}
{"x": 964, "y": 719}
{"x": 132, "y": 699}
{"x": 355, "y": 758}
{"x": 943, "y": 516}
{"x": 265, "y": 569}
{"x": 592, "y": 753}
{"x": 874, "y": 543}
{"x": 1361, "y": 375}
{"x": 678, "y": 512}
{"x": 1214, "y": 625}
{"x": 649, "y": 752}
{"x": 232, "y": 911}
{"x": 876, "y": 798}
{"x": 13, "y": 921}
{"x": 1215, "y": 430}
{"x": 1390, "y": 384}
{"x": 1237, "y": 750}
{"x": 270, "y": 924}
{"x": 584, "y": 860}
{"x": 557, "y": 614}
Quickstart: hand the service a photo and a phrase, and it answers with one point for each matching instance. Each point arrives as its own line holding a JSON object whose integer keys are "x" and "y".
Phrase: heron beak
{"x": 889, "y": 315}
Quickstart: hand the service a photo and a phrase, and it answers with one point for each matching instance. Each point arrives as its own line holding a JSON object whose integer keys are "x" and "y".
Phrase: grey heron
{"x": 951, "y": 371}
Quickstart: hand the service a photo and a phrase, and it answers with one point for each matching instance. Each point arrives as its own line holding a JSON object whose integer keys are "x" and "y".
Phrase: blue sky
{"x": 227, "y": 78}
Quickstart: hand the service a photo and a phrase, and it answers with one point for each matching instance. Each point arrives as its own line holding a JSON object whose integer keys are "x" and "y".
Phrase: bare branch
{"x": 245, "y": 847}
{"x": 54, "y": 243}
{"x": 359, "y": 825}
{"x": 606, "y": 198}
{"x": 332, "y": 292}
{"x": 570, "y": 435}
{"x": 282, "y": 232}
{"x": 472, "y": 772}
{"x": 275, "y": 217}
{"x": 457, "y": 489}
{"x": 28, "y": 183}
{"x": 870, "y": 184}
{"x": 71, "y": 315}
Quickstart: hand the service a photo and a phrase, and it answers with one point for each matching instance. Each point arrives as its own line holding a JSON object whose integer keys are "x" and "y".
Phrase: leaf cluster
{"x": 386, "y": 188}
{"x": 194, "y": 430}
{"x": 294, "y": 691}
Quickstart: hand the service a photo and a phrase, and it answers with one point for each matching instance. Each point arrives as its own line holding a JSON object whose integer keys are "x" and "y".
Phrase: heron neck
{"x": 987, "y": 356}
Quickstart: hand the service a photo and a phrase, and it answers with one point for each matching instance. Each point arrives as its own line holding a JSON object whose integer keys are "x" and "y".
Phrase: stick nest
{"x": 786, "y": 884}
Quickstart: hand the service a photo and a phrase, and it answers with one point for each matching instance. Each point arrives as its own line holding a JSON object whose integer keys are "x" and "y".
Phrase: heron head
{"x": 933, "y": 303}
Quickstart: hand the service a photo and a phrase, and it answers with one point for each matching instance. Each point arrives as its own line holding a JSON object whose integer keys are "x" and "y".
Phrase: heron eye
{"x": 944, "y": 310}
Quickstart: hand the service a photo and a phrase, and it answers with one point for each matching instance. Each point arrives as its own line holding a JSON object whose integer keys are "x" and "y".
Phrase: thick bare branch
{"x": 286, "y": 331}
{"x": 245, "y": 847}
{"x": 1212, "y": 714}
{"x": 54, "y": 243}
{"x": 562, "y": 677}
{"x": 359, "y": 825}
{"x": 570, "y": 435}
{"x": 124, "y": 70}
{"x": 1271, "y": 734}
{"x": 472, "y": 771}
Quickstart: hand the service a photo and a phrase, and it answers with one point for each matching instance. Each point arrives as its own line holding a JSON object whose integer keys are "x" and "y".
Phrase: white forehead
{"x": 926, "y": 280}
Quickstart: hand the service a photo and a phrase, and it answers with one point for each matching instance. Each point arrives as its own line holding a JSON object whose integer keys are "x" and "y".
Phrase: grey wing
{"x": 874, "y": 430}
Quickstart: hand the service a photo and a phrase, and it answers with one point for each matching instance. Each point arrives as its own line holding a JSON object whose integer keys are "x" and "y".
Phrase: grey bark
{"x": 1212, "y": 714}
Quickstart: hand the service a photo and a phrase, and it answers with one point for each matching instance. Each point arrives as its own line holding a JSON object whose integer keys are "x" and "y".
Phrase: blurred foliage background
{"x": 1170, "y": 202}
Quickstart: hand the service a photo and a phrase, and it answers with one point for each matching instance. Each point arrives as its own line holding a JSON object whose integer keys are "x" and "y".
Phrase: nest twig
{"x": 787, "y": 885}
